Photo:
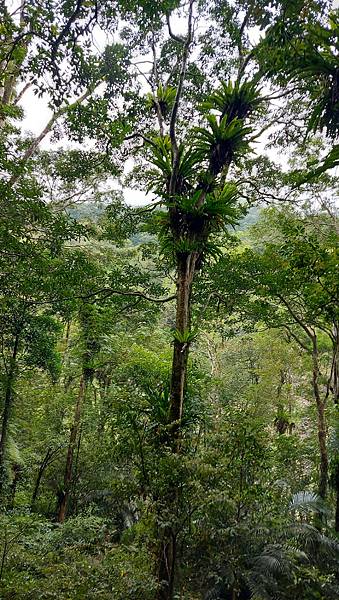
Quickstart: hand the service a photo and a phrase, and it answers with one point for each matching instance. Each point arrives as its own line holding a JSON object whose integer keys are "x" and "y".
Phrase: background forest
{"x": 169, "y": 371}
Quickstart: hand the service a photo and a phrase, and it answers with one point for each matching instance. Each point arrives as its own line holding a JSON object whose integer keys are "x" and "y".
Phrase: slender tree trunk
{"x": 167, "y": 563}
{"x": 7, "y": 410}
{"x": 7, "y": 90}
{"x": 68, "y": 476}
{"x": 17, "y": 475}
{"x": 336, "y": 363}
{"x": 322, "y": 427}
{"x": 322, "y": 435}
{"x": 48, "y": 458}
{"x": 186, "y": 264}
{"x": 37, "y": 483}
{"x": 336, "y": 402}
{"x": 75, "y": 474}
{"x": 185, "y": 269}
{"x": 336, "y": 476}
{"x": 3, "y": 557}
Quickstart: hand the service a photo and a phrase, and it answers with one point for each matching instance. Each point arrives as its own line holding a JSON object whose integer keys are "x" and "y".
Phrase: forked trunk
{"x": 48, "y": 458}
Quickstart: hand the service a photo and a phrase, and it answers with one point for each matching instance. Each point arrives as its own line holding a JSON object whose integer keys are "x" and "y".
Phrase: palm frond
{"x": 305, "y": 502}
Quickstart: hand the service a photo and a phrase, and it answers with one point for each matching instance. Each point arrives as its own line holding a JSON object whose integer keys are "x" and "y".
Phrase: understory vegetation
{"x": 169, "y": 370}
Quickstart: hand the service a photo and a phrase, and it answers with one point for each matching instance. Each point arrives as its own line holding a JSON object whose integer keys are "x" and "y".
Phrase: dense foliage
{"x": 169, "y": 372}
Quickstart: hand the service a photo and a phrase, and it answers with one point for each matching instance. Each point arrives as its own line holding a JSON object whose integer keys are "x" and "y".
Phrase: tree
{"x": 290, "y": 278}
{"x": 37, "y": 273}
{"x": 175, "y": 425}
{"x": 301, "y": 47}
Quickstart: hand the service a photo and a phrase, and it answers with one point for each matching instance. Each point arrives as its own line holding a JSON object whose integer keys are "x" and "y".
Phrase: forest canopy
{"x": 169, "y": 367}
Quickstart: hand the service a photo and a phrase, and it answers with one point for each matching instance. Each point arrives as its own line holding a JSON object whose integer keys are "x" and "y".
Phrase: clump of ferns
{"x": 225, "y": 137}
{"x": 236, "y": 100}
{"x": 217, "y": 209}
{"x": 158, "y": 401}
{"x": 319, "y": 72}
{"x": 164, "y": 99}
{"x": 187, "y": 224}
{"x": 326, "y": 112}
{"x": 157, "y": 410}
{"x": 160, "y": 155}
{"x": 221, "y": 142}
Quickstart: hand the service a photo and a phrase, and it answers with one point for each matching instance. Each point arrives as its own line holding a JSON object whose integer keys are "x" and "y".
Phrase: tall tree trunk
{"x": 68, "y": 476}
{"x": 167, "y": 563}
{"x": 7, "y": 410}
{"x": 186, "y": 265}
{"x": 336, "y": 481}
{"x": 185, "y": 274}
{"x": 322, "y": 427}
{"x": 335, "y": 381}
{"x": 335, "y": 332}
{"x": 8, "y": 86}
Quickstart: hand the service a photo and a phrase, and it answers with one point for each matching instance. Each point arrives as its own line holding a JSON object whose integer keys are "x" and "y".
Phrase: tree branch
{"x": 296, "y": 317}
{"x": 295, "y": 337}
{"x": 174, "y": 37}
{"x": 174, "y": 114}
{"x": 110, "y": 292}
{"x": 48, "y": 127}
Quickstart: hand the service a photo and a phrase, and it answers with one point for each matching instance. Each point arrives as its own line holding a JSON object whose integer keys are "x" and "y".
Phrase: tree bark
{"x": 17, "y": 472}
{"x": 167, "y": 563}
{"x": 7, "y": 90}
{"x": 7, "y": 410}
{"x": 336, "y": 481}
{"x": 336, "y": 363}
{"x": 185, "y": 274}
{"x": 186, "y": 266}
{"x": 322, "y": 427}
{"x": 335, "y": 380}
{"x": 68, "y": 476}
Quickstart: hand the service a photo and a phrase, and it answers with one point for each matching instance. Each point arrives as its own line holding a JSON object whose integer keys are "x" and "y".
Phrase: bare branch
{"x": 177, "y": 38}
{"x": 22, "y": 92}
{"x": 157, "y": 85}
{"x": 240, "y": 42}
{"x": 142, "y": 136}
{"x": 296, "y": 338}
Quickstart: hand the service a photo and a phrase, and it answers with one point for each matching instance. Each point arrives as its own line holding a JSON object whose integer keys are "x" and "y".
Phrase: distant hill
{"x": 87, "y": 211}
{"x": 249, "y": 219}
{"x": 92, "y": 211}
